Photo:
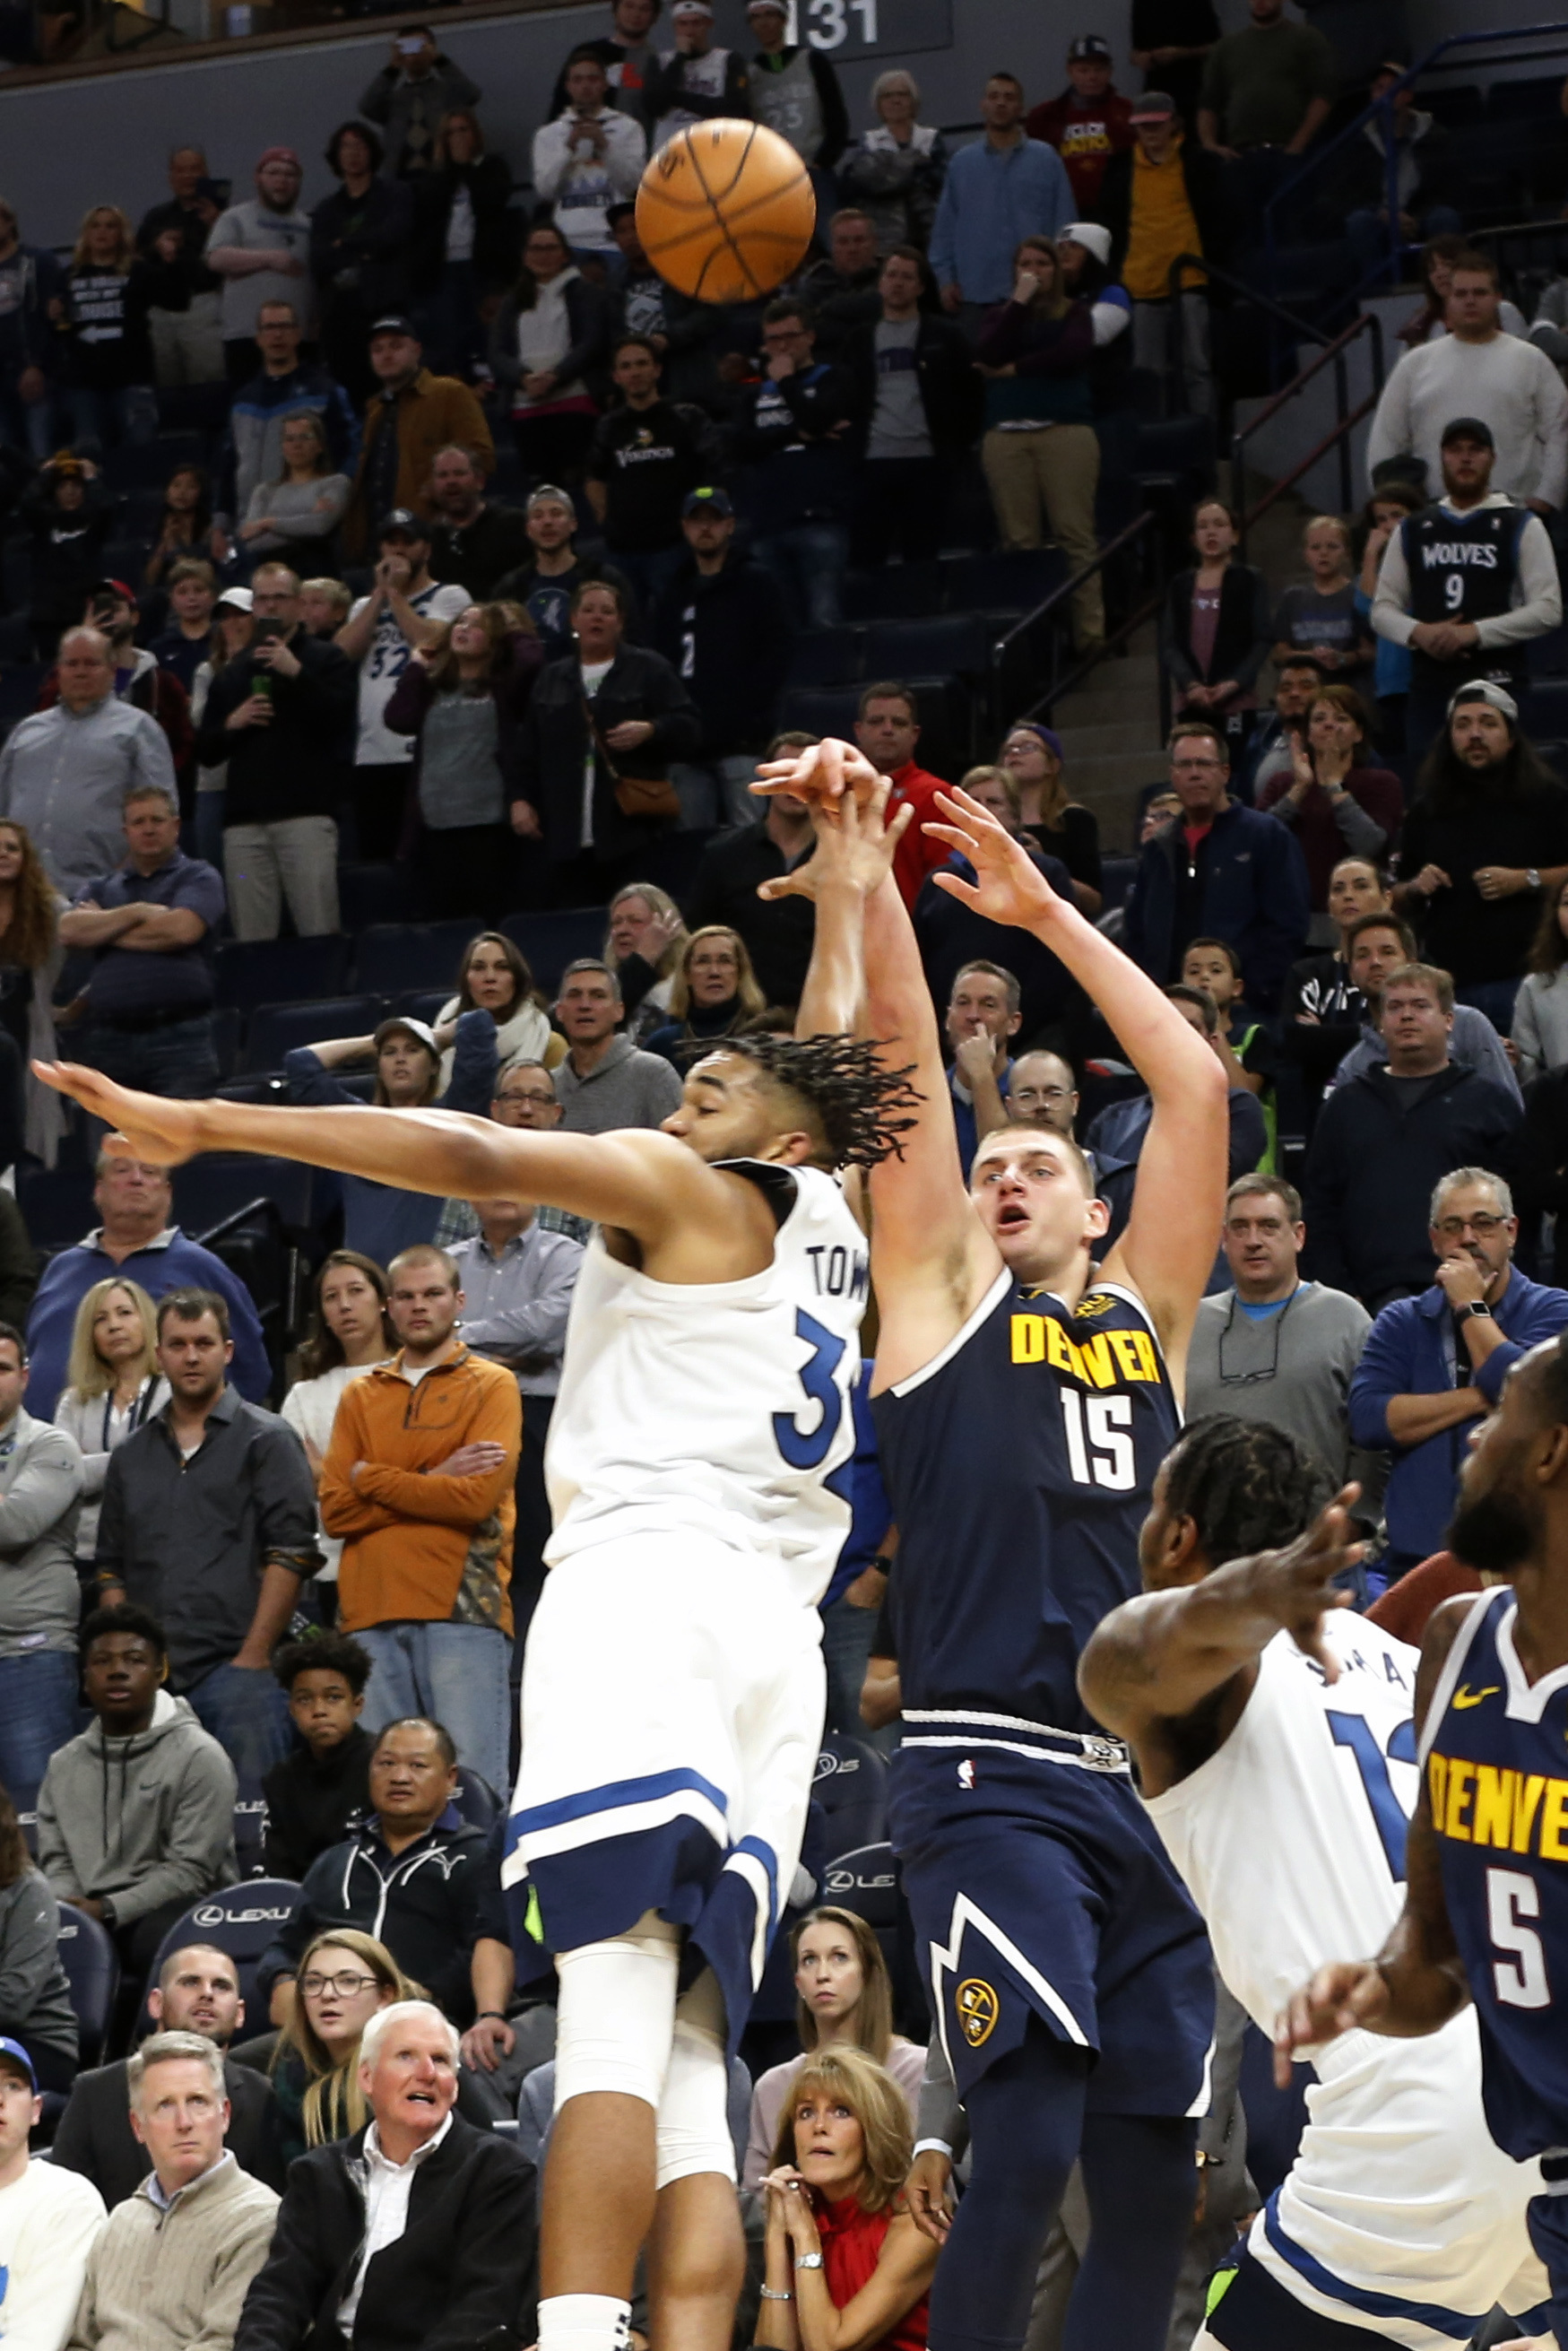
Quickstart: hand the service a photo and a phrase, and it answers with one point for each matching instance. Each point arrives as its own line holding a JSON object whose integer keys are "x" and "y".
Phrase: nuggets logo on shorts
{"x": 977, "y": 2009}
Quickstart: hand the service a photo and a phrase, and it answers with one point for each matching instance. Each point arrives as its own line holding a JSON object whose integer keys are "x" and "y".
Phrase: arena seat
{"x": 92, "y": 1970}
{"x": 819, "y": 710}
{"x": 851, "y": 1784}
{"x": 217, "y": 1184}
{"x": 392, "y": 955}
{"x": 866, "y": 1881}
{"x": 946, "y": 645}
{"x": 418, "y": 1003}
{"x": 274, "y": 1029}
{"x": 826, "y": 657}
{"x": 1013, "y": 580}
{"x": 894, "y": 591}
{"x": 476, "y": 1800}
{"x": 550, "y": 941}
{"x": 239, "y": 1921}
{"x": 56, "y": 1204}
{"x": 252, "y": 972}
{"x": 375, "y": 894}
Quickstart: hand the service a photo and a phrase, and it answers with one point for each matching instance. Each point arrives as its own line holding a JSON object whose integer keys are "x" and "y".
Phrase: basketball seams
{"x": 718, "y": 234}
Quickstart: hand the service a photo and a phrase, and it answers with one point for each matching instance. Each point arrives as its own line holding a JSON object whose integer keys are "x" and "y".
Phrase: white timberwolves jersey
{"x": 722, "y": 1408}
{"x": 1399, "y": 2216}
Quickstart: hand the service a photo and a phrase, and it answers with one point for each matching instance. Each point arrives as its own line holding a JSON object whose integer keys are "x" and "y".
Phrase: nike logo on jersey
{"x": 1479, "y": 1803}
{"x": 1465, "y": 1697}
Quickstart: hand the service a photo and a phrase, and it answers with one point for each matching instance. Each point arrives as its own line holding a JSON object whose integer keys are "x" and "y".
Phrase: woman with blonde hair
{"x": 1049, "y": 818}
{"x": 31, "y": 956}
{"x": 713, "y": 993}
{"x": 103, "y": 318}
{"x": 112, "y": 1387}
{"x": 644, "y": 940}
{"x": 845, "y": 2267}
{"x": 843, "y": 2000}
{"x": 344, "y": 1978}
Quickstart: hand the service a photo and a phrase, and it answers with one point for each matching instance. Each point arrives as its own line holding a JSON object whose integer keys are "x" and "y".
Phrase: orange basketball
{"x": 726, "y": 210}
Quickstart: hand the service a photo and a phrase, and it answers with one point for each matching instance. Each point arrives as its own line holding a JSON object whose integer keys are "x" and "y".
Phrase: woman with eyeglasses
{"x": 344, "y": 1977}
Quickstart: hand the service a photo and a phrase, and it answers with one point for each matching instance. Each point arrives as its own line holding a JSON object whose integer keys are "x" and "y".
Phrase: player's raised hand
{"x": 821, "y": 773}
{"x": 162, "y": 1132}
{"x": 1344, "y": 1997}
{"x": 1008, "y": 887}
{"x": 1296, "y": 1584}
{"x": 855, "y": 846}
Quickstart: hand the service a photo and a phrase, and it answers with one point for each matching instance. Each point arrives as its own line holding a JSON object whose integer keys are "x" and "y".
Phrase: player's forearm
{"x": 1420, "y": 1963}
{"x": 897, "y": 997}
{"x": 832, "y": 1002}
{"x": 1157, "y": 1656}
{"x": 440, "y": 1151}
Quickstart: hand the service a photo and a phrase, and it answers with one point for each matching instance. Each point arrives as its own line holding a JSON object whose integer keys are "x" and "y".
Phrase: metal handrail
{"x": 1043, "y": 613}
{"x": 1176, "y": 320}
{"x": 1347, "y": 419}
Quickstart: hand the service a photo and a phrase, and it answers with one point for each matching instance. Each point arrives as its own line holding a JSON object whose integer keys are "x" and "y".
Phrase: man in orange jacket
{"x": 418, "y": 1482}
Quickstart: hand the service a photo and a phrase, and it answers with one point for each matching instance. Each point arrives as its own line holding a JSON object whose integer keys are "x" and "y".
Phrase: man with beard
{"x": 1485, "y": 843}
{"x": 1485, "y": 1916}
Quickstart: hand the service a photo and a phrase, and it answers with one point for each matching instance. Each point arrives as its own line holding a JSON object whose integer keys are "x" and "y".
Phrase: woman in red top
{"x": 847, "y": 2270}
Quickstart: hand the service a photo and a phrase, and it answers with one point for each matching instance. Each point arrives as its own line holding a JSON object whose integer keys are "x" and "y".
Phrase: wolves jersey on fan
{"x": 1020, "y": 1464}
{"x": 698, "y": 1467}
{"x": 1399, "y": 2218}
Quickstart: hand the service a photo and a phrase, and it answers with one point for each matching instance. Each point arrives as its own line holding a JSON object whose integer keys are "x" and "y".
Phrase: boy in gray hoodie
{"x": 136, "y": 1815}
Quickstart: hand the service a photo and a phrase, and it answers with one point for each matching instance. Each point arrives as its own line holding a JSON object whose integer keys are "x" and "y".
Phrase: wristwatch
{"x": 106, "y": 1911}
{"x": 1477, "y": 1311}
{"x": 807, "y": 2261}
{"x": 1532, "y": 877}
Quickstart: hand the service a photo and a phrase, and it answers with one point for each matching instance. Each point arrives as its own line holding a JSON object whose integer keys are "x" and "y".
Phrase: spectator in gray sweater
{"x": 604, "y": 1081}
{"x": 136, "y": 1815}
{"x": 35, "y": 1997}
{"x": 41, "y": 1479}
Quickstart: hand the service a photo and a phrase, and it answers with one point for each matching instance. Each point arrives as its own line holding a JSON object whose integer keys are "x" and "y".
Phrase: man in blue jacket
{"x": 1220, "y": 871}
{"x": 1433, "y": 1366}
{"x": 1004, "y": 187}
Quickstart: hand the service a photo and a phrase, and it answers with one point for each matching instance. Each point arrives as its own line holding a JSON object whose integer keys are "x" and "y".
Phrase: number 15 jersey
{"x": 1020, "y": 1463}
{"x": 719, "y": 1407}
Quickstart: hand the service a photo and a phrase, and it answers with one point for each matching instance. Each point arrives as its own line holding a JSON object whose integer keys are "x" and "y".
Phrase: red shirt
{"x": 851, "y": 2247}
{"x": 916, "y": 854}
{"x": 1407, "y": 1606}
{"x": 1085, "y": 132}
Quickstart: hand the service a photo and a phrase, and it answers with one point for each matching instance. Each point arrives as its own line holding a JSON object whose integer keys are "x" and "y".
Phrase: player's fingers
{"x": 985, "y": 820}
{"x": 950, "y": 833}
{"x": 956, "y": 886}
{"x": 902, "y": 819}
{"x": 781, "y": 885}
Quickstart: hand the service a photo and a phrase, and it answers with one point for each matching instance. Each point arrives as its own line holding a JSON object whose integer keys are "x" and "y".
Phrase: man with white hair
{"x": 1435, "y": 1365}
{"x": 64, "y": 772}
{"x": 419, "y": 2229}
{"x": 171, "y": 2267}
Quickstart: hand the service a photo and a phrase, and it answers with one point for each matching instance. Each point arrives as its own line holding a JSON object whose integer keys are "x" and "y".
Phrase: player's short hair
{"x": 1459, "y": 1179}
{"x": 323, "y": 1653}
{"x": 1069, "y": 1144}
{"x": 992, "y": 971}
{"x": 1246, "y": 1486}
{"x": 1266, "y": 1187}
{"x": 190, "y": 1305}
{"x": 853, "y": 1098}
{"x": 1423, "y": 975}
{"x": 1178, "y": 992}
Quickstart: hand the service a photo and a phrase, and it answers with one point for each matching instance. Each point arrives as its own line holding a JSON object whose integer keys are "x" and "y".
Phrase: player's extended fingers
{"x": 953, "y": 835}
{"x": 955, "y": 884}
{"x": 784, "y": 885}
{"x": 902, "y": 818}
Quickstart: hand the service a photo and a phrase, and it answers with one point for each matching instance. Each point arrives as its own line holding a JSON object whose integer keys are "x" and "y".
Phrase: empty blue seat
{"x": 1115, "y": 880}
{"x": 216, "y": 1186}
{"x": 392, "y": 955}
{"x": 253, "y": 972}
{"x": 826, "y": 657}
{"x": 275, "y": 1029}
{"x": 896, "y": 591}
{"x": 950, "y": 644}
{"x": 819, "y": 710}
{"x": 549, "y": 942}
{"x": 375, "y": 894}
{"x": 57, "y": 1204}
{"x": 420, "y": 1003}
{"x": 476, "y": 1799}
{"x": 1014, "y": 581}
{"x": 239, "y": 1921}
{"x": 92, "y": 1970}
{"x": 850, "y": 1785}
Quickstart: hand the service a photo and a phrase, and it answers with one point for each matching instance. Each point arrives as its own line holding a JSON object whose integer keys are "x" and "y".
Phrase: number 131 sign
{"x": 858, "y": 29}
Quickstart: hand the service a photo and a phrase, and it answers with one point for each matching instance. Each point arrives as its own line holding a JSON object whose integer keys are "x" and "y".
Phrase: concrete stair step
{"x": 1107, "y": 737}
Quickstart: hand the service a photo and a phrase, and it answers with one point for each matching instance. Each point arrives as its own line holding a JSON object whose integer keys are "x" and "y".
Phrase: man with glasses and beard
{"x": 1435, "y": 1365}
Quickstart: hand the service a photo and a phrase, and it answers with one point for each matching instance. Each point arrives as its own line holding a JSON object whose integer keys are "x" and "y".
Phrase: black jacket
{"x": 311, "y": 1802}
{"x": 463, "y": 2275}
{"x": 296, "y": 765}
{"x": 476, "y": 555}
{"x": 778, "y": 932}
{"x": 1372, "y": 1167}
{"x": 1360, "y": 179}
{"x": 1242, "y": 641}
{"x": 489, "y": 181}
{"x": 952, "y": 390}
{"x": 840, "y": 305}
{"x": 359, "y": 245}
{"x": 94, "y": 2135}
{"x": 587, "y": 357}
{"x": 949, "y": 935}
{"x": 730, "y": 637}
{"x": 1206, "y": 194}
{"x": 803, "y": 467}
{"x": 429, "y": 1905}
{"x": 640, "y": 684}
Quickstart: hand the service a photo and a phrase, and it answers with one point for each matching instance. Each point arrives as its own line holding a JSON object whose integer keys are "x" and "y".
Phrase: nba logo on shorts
{"x": 965, "y": 1774}
{"x": 977, "y": 2009}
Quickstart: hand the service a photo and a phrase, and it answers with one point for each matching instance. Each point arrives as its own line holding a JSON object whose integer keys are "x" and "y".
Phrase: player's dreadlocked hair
{"x": 1245, "y": 1486}
{"x": 855, "y": 1097}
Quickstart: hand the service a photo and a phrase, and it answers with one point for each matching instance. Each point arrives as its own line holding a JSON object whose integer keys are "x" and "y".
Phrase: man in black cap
{"x": 1088, "y": 124}
{"x": 1465, "y": 584}
{"x": 724, "y": 624}
{"x": 405, "y": 607}
{"x": 410, "y": 417}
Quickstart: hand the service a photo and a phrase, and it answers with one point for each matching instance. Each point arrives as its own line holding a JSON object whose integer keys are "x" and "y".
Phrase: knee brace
{"x": 616, "y": 2015}
{"x": 693, "y": 2128}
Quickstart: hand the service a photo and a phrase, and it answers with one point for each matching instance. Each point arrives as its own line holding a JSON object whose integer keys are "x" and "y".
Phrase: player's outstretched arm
{"x": 1154, "y": 1660}
{"x": 1417, "y": 1981}
{"x": 641, "y": 1181}
{"x": 853, "y": 856}
{"x": 1168, "y": 1248}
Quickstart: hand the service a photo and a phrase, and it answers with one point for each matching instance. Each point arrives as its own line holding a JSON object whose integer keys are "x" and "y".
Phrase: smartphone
{"x": 218, "y": 192}
{"x": 410, "y": 45}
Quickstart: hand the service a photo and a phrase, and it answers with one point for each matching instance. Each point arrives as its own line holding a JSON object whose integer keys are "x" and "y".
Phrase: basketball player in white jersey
{"x": 1274, "y": 1738}
{"x": 673, "y": 1686}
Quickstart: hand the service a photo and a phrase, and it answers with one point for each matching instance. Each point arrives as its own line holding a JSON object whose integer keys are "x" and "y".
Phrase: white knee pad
{"x": 616, "y": 2013}
{"x": 693, "y": 2130}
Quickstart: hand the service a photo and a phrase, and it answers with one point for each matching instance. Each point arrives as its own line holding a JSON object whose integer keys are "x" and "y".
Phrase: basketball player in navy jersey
{"x": 1024, "y": 1400}
{"x": 1485, "y": 1905}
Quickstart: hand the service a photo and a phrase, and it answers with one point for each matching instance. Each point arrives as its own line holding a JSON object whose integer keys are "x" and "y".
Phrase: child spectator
{"x": 324, "y": 606}
{"x": 349, "y": 1335}
{"x": 1320, "y": 618}
{"x": 1243, "y": 1042}
{"x": 324, "y": 1781}
{"x": 1385, "y": 511}
{"x": 186, "y": 526}
{"x": 187, "y": 642}
{"x": 1217, "y": 632}
{"x": 109, "y": 350}
{"x": 1334, "y": 801}
{"x": 112, "y": 1386}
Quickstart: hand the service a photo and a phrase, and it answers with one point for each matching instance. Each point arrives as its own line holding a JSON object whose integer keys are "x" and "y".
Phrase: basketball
{"x": 726, "y": 210}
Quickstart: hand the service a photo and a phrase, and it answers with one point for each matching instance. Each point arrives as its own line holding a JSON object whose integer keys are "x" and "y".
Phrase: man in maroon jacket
{"x": 1088, "y": 124}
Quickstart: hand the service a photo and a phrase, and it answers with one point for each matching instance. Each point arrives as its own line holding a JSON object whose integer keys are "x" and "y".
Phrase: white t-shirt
{"x": 50, "y": 2219}
{"x": 460, "y": 228}
{"x": 385, "y": 661}
{"x": 593, "y": 676}
{"x": 310, "y": 1409}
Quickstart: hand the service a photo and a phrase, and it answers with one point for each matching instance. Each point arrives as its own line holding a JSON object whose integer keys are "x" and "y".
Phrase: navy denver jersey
{"x": 1020, "y": 1463}
{"x": 1495, "y": 1751}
